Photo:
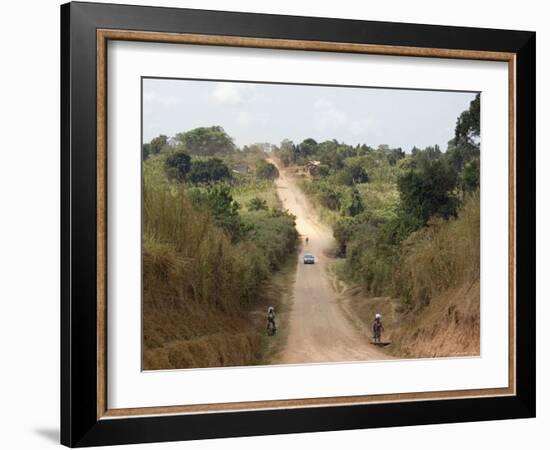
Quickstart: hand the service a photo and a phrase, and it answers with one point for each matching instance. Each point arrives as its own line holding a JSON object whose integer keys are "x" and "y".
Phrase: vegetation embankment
{"x": 214, "y": 242}
{"x": 407, "y": 233}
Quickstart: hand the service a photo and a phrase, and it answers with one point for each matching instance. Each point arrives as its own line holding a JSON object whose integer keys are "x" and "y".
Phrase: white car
{"x": 309, "y": 258}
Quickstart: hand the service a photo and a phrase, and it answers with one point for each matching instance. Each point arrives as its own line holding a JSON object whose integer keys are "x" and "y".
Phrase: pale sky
{"x": 253, "y": 112}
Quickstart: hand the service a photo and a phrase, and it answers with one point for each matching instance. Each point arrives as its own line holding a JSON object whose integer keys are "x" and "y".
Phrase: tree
{"x": 331, "y": 199}
{"x": 308, "y": 148}
{"x": 154, "y": 147}
{"x": 344, "y": 229}
{"x": 464, "y": 147}
{"x": 354, "y": 204}
{"x": 467, "y": 124}
{"x": 334, "y": 160}
{"x": 354, "y": 172}
{"x": 286, "y": 152}
{"x": 219, "y": 201}
{"x": 208, "y": 171}
{"x": 265, "y": 170}
{"x": 394, "y": 155}
{"x": 206, "y": 141}
{"x": 225, "y": 209}
{"x": 178, "y": 165}
{"x": 470, "y": 176}
{"x": 332, "y": 154}
{"x": 156, "y": 144}
{"x": 428, "y": 190}
{"x": 145, "y": 151}
{"x": 432, "y": 152}
{"x": 384, "y": 148}
{"x": 257, "y": 204}
{"x": 323, "y": 170}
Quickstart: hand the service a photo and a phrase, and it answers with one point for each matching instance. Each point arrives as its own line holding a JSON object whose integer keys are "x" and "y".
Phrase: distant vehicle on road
{"x": 309, "y": 258}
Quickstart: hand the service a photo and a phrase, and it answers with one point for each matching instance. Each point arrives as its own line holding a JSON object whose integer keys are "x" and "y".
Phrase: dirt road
{"x": 319, "y": 330}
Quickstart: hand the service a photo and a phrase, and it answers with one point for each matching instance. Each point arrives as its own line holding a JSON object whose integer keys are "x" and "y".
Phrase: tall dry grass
{"x": 435, "y": 308}
{"x": 440, "y": 256}
{"x": 183, "y": 246}
{"x": 198, "y": 287}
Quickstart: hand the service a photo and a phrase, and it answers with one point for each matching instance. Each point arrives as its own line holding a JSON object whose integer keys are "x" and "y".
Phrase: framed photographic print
{"x": 276, "y": 224}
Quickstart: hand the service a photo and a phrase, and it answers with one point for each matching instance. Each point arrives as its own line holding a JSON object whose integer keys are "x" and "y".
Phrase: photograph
{"x": 300, "y": 223}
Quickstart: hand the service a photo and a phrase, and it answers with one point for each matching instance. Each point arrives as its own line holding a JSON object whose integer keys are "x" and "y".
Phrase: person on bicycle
{"x": 377, "y": 328}
{"x": 271, "y": 325}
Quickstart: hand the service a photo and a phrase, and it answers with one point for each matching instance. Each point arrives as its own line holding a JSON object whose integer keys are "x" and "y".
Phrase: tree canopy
{"x": 225, "y": 210}
{"x": 208, "y": 171}
{"x": 353, "y": 172}
{"x": 265, "y": 170}
{"x": 206, "y": 141}
{"x": 155, "y": 146}
{"x": 257, "y": 204}
{"x": 178, "y": 165}
{"x": 467, "y": 125}
{"x": 428, "y": 190}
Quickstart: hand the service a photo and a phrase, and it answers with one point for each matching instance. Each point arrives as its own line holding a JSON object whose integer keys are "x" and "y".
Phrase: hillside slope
{"x": 448, "y": 326}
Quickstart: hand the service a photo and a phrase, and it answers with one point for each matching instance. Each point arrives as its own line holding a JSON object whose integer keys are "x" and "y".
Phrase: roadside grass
{"x": 278, "y": 293}
{"x": 201, "y": 291}
{"x": 440, "y": 256}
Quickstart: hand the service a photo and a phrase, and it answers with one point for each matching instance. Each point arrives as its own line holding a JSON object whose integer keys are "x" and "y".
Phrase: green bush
{"x": 178, "y": 165}
{"x": 209, "y": 170}
{"x": 206, "y": 141}
{"x": 154, "y": 147}
{"x": 275, "y": 234}
{"x": 256, "y": 204}
{"x": 353, "y": 204}
{"x": 429, "y": 190}
{"x": 218, "y": 200}
{"x": 353, "y": 172}
{"x": 265, "y": 170}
